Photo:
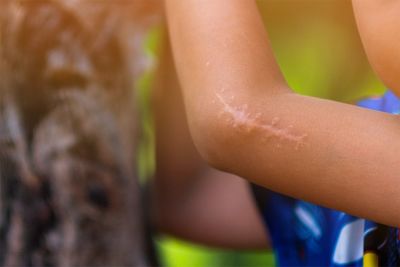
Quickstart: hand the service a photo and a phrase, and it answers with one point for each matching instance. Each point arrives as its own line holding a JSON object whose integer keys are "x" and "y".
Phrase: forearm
{"x": 328, "y": 153}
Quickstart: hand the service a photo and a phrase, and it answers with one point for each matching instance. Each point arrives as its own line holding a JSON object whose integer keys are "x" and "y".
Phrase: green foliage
{"x": 319, "y": 64}
{"x": 146, "y": 148}
{"x": 176, "y": 253}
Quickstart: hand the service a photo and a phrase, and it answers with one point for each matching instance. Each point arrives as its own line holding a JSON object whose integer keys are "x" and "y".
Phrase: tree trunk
{"x": 69, "y": 194}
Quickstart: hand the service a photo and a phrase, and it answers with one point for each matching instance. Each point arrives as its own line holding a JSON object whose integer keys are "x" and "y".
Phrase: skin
{"x": 192, "y": 200}
{"x": 348, "y": 156}
{"x": 185, "y": 186}
{"x": 377, "y": 22}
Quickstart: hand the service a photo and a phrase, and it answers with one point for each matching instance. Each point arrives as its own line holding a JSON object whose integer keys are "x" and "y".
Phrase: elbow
{"x": 223, "y": 130}
{"x": 212, "y": 136}
{"x": 212, "y": 131}
{"x": 228, "y": 131}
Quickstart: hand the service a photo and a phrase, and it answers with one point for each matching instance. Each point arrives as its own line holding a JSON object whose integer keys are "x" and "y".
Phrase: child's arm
{"x": 245, "y": 119}
{"x": 378, "y": 22}
{"x": 192, "y": 200}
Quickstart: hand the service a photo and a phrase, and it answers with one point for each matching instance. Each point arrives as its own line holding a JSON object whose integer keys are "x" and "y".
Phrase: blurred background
{"x": 318, "y": 48}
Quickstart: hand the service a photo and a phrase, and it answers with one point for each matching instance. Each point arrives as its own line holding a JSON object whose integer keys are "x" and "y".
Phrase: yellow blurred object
{"x": 370, "y": 260}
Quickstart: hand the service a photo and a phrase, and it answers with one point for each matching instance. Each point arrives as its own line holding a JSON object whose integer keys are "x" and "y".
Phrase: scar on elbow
{"x": 241, "y": 119}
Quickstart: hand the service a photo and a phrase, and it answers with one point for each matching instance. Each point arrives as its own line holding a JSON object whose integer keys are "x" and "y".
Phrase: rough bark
{"x": 68, "y": 191}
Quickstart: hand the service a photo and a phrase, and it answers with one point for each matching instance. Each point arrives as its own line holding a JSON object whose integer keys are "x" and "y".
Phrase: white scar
{"x": 243, "y": 120}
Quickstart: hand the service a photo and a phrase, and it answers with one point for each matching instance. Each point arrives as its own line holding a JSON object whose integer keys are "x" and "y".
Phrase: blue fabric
{"x": 304, "y": 234}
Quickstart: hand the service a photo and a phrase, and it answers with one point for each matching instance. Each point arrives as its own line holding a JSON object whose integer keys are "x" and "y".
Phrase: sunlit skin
{"x": 244, "y": 121}
{"x": 198, "y": 203}
{"x": 349, "y": 156}
{"x": 192, "y": 200}
{"x": 378, "y": 22}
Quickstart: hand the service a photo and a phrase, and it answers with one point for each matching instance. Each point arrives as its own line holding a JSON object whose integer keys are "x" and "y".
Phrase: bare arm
{"x": 378, "y": 22}
{"x": 245, "y": 119}
{"x": 194, "y": 201}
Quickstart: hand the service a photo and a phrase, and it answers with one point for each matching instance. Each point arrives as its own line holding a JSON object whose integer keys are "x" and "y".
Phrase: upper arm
{"x": 378, "y": 22}
{"x": 195, "y": 201}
